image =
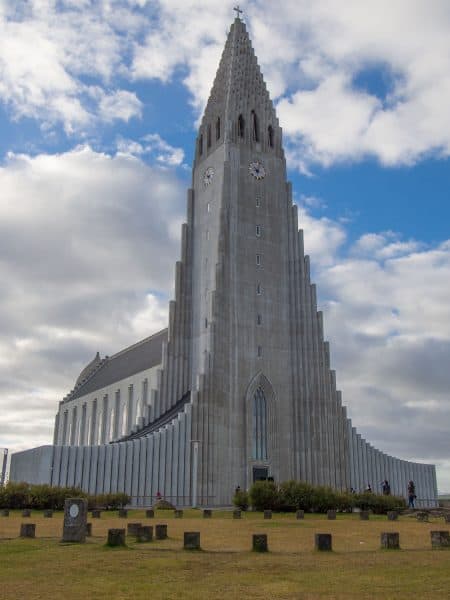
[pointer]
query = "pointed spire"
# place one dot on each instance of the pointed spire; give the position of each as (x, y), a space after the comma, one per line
(239, 108)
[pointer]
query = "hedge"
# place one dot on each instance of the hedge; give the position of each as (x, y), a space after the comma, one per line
(294, 495)
(39, 497)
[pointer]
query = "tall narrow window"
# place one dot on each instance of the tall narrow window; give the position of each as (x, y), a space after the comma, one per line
(258, 259)
(218, 128)
(200, 145)
(241, 126)
(259, 426)
(258, 202)
(258, 231)
(208, 137)
(259, 320)
(258, 289)
(255, 128)
(259, 351)
(270, 134)
(116, 415)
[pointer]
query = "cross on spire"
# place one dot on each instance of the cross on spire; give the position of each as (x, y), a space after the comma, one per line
(239, 12)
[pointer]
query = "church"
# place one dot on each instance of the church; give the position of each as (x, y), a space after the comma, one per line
(239, 386)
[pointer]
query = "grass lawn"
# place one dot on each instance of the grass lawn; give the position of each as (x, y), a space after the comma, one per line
(225, 568)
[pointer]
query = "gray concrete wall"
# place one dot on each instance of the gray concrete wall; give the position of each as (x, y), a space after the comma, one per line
(32, 466)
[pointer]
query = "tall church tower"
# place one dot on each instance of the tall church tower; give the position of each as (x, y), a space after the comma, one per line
(239, 386)
(264, 400)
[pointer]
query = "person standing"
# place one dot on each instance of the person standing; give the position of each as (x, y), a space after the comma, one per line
(411, 494)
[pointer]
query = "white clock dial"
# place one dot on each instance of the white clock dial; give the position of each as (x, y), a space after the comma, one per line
(74, 510)
(257, 170)
(208, 175)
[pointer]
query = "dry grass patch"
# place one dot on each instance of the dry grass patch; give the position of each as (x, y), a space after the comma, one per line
(43, 568)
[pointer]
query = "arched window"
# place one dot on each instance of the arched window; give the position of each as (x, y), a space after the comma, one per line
(270, 132)
(208, 138)
(218, 128)
(241, 126)
(200, 145)
(255, 128)
(259, 425)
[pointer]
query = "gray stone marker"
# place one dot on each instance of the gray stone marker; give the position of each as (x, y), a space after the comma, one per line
(144, 534)
(133, 528)
(150, 513)
(207, 513)
(364, 515)
(260, 542)
(26, 512)
(447, 517)
(88, 529)
(392, 515)
(116, 537)
(27, 530)
(178, 514)
(160, 532)
(5, 512)
(300, 514)
(123, 513)
(96, 514)
(191, 540)
(323, 542)
(236, 514)
(390, 540)
(48, 514)
(267, 514)
(422, 517)
(75, 519)
(440, 539)
(331, 515)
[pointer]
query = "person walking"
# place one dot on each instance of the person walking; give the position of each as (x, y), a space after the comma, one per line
(386, 487)
(411, 494)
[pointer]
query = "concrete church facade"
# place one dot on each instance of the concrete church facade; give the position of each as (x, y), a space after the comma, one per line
(239, 386)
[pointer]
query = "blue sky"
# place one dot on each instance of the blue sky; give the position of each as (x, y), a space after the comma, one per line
(99, 103)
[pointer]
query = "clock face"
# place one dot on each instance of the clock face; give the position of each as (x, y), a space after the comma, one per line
(74, 510)
(257, 170)
(208, 175)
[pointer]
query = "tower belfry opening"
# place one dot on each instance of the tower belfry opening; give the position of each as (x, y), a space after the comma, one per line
(239, 386)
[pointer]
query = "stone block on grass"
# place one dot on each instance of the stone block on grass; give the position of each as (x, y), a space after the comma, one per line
(392, 515)
(88, 529)
(422, 517)
(75, 519)
(191, 540)
(48, 514)
(144, 534)
(123, 513)
(440, 539)
(390, 540)
(150, 513)
(236, 514)
(364, 515)
(27, 530)
(207, 513)
(267, 514)
(178, 514)
(260, 542)
(26, 512)
(96, 514)
(323, 542)
(300, 514)
(331, 515)
(116, 537)
(133, 528)
(447, 517)
(5, 512)
(161, 532)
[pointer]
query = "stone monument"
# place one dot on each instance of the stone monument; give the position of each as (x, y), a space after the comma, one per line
(75, 520)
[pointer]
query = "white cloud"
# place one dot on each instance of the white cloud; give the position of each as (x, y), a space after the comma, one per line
(88, 252)
(120, 105)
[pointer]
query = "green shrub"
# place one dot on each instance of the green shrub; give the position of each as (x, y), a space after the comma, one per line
(264, 495)
(240, 499)
(15, 495)
(295, 495)
(378, 503)
(111, 501)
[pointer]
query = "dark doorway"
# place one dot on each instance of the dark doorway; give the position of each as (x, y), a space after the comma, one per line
(260, 473)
